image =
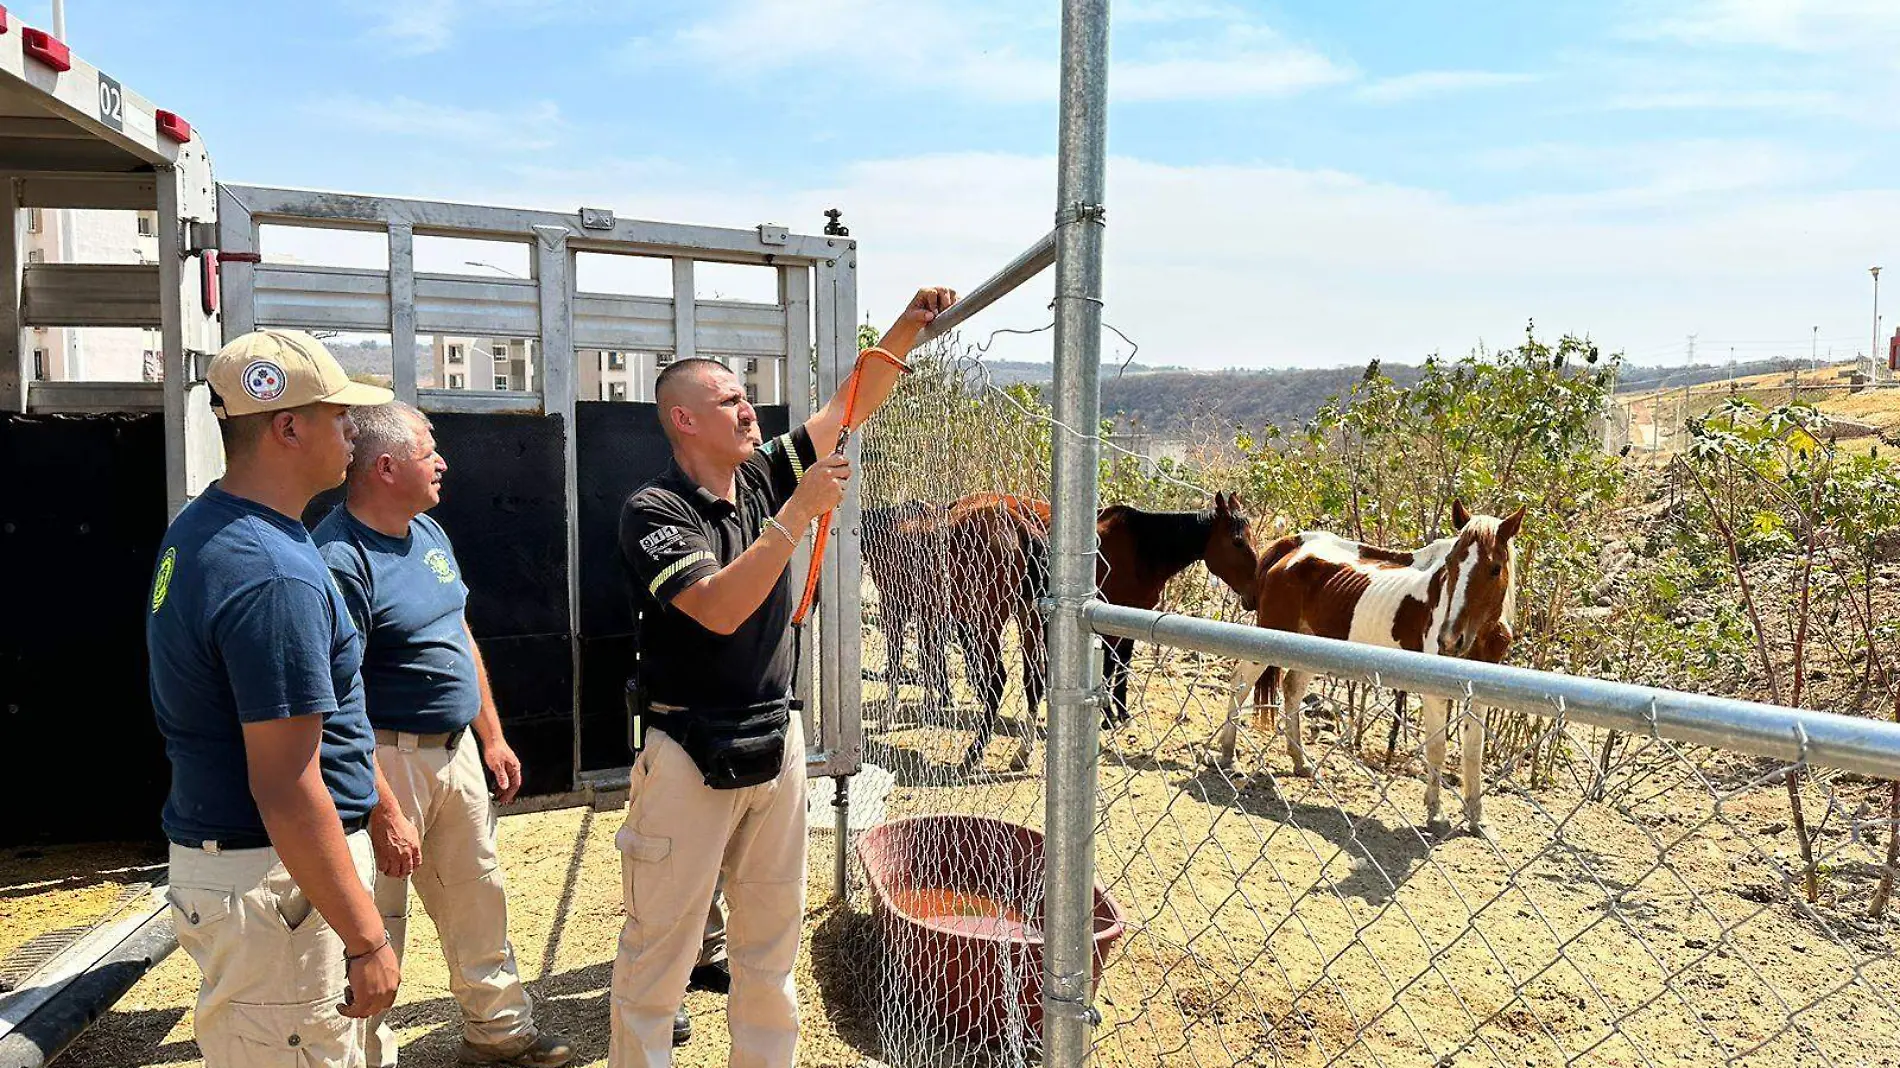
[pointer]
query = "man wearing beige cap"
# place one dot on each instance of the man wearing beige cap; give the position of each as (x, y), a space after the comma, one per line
(428, 698)
(255, 681)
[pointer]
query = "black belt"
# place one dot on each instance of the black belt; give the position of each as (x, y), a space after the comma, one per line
(234, 842)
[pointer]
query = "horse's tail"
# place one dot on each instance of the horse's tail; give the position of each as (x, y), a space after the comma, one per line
(1034, 546)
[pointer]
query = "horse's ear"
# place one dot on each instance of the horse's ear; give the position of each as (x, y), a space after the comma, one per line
(1459, 517)
(1221, 504)
(1511, 525)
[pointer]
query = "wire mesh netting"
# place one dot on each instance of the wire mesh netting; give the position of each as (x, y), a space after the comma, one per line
(948, 888)
(1632, 901)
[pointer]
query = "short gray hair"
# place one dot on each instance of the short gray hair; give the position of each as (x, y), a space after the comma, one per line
(385, 429)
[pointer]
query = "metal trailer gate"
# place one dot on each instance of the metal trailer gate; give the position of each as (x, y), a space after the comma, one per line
(91, 470)
(537, 478)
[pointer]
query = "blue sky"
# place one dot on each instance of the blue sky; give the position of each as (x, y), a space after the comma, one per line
(1291, 184)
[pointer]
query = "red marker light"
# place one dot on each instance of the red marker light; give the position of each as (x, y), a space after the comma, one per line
(173, 127)
(44, 47)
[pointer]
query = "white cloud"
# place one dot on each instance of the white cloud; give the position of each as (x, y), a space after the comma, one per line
(1268, 266)
(1818, 26)
(534, 126)
(1712, 99)
(1185, 50)
(1435, 82)
(415, 27)
(421, 27)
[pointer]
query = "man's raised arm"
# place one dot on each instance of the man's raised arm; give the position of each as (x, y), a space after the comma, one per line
(878, 378)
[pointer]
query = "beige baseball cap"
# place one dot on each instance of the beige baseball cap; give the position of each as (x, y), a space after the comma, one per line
(270, 370)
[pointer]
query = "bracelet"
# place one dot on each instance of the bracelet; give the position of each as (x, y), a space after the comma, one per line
(772, 521)
(348, 959)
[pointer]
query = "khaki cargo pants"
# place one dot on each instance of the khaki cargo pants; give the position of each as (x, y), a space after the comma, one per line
(273, 967)
(459, 880)
(680, 837)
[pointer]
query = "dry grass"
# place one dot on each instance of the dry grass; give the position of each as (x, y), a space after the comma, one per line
(1285, 921)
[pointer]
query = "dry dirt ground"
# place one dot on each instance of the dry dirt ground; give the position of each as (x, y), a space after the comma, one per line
(1275, 920)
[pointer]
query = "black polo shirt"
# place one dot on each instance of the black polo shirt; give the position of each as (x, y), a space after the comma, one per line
(673, 532)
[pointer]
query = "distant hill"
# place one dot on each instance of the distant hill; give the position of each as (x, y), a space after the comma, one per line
(1175, 402)
(1643, 379)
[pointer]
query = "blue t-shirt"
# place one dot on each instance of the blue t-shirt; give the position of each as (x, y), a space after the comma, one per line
(407, 597)
(245, 625)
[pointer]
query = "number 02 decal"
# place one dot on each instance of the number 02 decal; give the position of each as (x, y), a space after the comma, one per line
(111, 103)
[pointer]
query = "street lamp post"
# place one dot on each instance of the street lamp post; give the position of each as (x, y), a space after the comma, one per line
(504, 270)
(1873, 351)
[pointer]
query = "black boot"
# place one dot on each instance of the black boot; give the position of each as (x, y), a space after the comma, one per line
(716, 977)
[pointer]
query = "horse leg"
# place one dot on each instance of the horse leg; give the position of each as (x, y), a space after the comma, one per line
(895, 620)
(1220, 752)
(1120, 652)
(933, 656)
(1471, 752)
(1029, 631)
(983, 653)
(1398, 721)
(1437, 720)
(1292, 704)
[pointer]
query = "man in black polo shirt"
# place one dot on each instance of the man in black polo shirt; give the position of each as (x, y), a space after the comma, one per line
(719, 786)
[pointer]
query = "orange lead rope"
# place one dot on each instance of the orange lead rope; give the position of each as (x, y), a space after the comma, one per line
(844, 438)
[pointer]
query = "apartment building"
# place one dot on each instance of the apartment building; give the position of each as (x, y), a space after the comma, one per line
(62, 354)
(613, 375)
(484, 363)
(605, 374)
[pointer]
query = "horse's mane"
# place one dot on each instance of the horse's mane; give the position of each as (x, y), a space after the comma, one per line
(1170, 540)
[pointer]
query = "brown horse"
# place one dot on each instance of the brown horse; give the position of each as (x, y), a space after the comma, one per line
(1453, 597)
(1141, 551)
(905, 553)
(976, 563)
(997, 546)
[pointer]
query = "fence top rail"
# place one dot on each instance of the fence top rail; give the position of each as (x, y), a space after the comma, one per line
(1030, 263)
(1868, 747)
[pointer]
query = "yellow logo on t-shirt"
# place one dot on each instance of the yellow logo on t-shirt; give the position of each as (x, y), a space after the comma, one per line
(438, 562)
(162, 583)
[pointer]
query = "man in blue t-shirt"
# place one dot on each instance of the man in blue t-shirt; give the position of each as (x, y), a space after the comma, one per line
(254, 663)
(425, 686)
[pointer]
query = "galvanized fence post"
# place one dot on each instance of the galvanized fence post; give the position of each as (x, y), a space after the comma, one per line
(1069, 875)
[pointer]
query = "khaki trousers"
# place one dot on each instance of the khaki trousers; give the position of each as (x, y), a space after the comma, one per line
(273, 967)
(460, 882)
(680, 838)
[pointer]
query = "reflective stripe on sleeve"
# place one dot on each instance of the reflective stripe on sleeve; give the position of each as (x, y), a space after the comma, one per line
(791, 451)
(675, 568)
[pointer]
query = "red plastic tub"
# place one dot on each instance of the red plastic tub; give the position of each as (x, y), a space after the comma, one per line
(958, 905)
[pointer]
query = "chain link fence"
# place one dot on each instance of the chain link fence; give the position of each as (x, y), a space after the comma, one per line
(1632, 900)
(946, 896)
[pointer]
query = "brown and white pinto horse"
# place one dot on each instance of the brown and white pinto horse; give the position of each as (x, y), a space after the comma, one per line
(1454, 597)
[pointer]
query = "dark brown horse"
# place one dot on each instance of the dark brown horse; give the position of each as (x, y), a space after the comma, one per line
(971, 566)
(998, 552)
(905, 555)
(1141, 551)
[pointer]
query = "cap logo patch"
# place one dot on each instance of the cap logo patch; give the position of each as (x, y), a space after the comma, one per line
(264, 380)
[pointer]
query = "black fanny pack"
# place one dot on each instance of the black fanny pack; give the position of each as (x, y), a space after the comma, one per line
(732, 747)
